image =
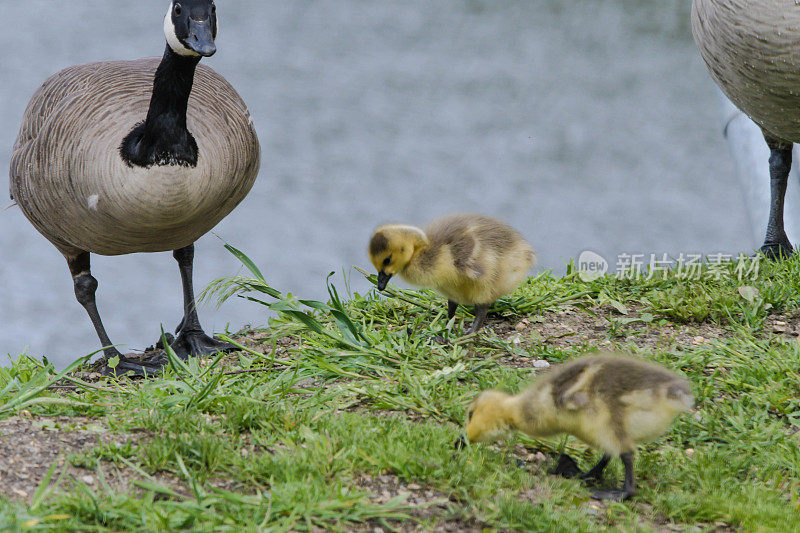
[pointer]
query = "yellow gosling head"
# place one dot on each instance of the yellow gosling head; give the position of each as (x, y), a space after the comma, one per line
(488, 417)
(392, 247)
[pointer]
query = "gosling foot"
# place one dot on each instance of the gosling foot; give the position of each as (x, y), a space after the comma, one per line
(595, 475)
(566, 467)
(195, 343)
(616, 495)
(777, 251)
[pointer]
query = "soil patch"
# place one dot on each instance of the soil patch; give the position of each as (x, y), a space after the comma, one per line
(30, 446)
(601, 327)
(426, 505)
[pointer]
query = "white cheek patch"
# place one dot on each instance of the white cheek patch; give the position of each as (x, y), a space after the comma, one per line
(92, 202)
(172, 39)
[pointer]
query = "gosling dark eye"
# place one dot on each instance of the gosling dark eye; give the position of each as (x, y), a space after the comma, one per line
(177, 10)
(387, 261)
(469, 416)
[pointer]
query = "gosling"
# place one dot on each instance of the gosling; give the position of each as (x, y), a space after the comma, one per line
(470, 259)
(610, 402)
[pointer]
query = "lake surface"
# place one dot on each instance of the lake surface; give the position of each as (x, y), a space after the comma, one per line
(587, 125)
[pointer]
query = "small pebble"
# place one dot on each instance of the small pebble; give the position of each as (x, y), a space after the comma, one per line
(89, 480)
(522, 325)
(541, 363)
(516, 340)
(689, 452)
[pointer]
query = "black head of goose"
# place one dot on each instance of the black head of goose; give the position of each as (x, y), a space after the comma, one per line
(119, 157)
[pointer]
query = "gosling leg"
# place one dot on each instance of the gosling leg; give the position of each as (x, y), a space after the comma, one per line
(192, 340)
(480, 317)
(629, 486)
(451, 309)
(85, 288)
(776, 243)
(596, 473)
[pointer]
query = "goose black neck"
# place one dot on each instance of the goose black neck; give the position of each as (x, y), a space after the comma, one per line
(163, 138)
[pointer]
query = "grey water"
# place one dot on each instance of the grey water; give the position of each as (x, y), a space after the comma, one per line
(586, 124)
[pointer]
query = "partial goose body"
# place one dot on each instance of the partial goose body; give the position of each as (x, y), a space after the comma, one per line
(609, 401)
(470, 259)
(137, 156)
(67, 161)
(752, 51)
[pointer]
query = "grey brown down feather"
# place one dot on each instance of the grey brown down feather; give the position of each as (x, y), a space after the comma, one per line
(69, 179)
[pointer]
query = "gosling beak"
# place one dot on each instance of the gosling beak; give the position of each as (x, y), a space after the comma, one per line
(383, 279)
(461, 443)
(201, 37)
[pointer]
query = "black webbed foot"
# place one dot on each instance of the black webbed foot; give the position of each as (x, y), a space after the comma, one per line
(628, 487)
(198, 344)
(566, 467)
(126, 367)
(616, 495)
(777, 251)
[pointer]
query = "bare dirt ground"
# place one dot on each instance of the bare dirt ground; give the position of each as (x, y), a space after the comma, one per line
(30, 446)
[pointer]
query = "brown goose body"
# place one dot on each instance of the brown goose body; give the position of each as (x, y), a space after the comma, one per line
(752, 50)
(69, 179)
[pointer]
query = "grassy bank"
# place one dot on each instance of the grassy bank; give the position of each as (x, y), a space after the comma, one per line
(343, 415)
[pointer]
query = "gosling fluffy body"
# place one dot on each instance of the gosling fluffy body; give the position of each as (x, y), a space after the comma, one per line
(471, 259)
(608, 401)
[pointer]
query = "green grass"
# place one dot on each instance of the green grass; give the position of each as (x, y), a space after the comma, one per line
(356, 388)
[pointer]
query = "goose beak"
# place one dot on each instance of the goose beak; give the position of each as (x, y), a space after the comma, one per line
(383, 279)
(201, 37)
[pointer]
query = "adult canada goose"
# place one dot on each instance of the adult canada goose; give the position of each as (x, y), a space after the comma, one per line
(471, 259)
(752, 52)
(120, 157)
(608, 401)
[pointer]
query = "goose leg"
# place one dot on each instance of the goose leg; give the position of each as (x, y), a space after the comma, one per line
(628, 488)
(776, 243)
(480, 317)
(85, 288)
(192, 340)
